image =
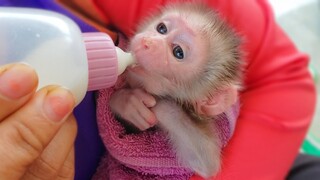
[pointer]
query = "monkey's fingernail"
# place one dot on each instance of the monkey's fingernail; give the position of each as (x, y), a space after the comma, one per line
(151, 103)
(152, 121)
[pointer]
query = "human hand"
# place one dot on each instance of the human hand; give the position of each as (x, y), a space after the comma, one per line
(37, 131)
(134, 105)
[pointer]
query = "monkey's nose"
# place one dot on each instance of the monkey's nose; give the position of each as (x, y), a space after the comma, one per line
(146, 43)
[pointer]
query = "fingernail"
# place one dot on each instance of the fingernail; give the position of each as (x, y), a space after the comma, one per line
(152, 121)
(17, 81)
(58, 103)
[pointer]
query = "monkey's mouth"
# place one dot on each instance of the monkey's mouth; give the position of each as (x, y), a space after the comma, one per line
(137, 69)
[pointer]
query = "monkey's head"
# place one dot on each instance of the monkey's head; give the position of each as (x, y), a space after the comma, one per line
(189, 53)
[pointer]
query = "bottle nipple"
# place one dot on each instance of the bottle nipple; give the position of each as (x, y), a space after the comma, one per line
(124, 60)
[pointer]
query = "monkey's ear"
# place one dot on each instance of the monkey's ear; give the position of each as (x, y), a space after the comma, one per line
(218, 103)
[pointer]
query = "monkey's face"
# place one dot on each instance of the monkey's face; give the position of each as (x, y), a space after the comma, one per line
(170, 52)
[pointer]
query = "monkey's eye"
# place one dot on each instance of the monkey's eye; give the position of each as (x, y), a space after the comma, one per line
(178, 52)
(162, 28)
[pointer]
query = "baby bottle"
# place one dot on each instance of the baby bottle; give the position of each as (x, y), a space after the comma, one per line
(55, 47)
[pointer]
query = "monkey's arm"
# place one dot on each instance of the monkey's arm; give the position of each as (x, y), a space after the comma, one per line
(133, 106)
(194, 146)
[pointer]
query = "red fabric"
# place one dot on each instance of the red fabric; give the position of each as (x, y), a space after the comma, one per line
(278, 101)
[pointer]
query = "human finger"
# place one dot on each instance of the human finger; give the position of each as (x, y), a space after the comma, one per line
(49, 164)
(18, 82)
(26, 133)
(67, 171)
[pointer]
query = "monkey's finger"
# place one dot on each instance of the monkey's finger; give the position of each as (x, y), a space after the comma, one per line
(143, 113)
(145, 97)
(17, 84)
(137, 120)
(148, 116)
(53, 160)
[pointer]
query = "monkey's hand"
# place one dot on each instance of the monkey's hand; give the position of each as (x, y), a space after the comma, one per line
(133, 105)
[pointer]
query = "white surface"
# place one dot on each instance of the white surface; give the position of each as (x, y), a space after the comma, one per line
(284, 6)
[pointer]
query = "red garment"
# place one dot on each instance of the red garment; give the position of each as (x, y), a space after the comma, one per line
(278, 101)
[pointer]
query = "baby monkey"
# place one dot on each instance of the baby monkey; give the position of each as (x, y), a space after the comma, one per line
(189, 59)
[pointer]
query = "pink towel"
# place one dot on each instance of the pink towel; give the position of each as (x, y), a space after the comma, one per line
(145, 155)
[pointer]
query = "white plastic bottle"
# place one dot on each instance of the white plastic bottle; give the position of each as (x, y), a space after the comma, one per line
(55, 47)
